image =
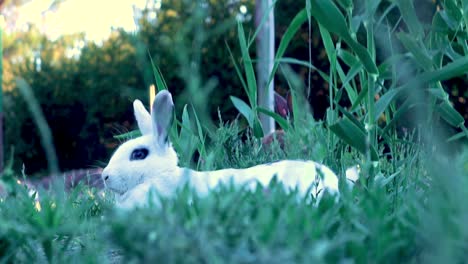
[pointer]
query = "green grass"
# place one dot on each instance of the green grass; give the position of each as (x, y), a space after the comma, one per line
(408, 207)
(417, 216)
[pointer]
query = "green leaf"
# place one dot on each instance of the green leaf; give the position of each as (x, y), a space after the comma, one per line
(448, 21)
(382, 181)
(359, 98)
(238, 71)
(257, 128)
(371, 8)
(454, 69)
(201, 137)
(438, 93)
(405, 107)
(346, 4)
(384, 101)
(363, 55)
(347, 57)
(456, 137)
(438, 24)
(354, 136)
(305, 64)
(292, 29)
(330, 17)
(262, 22)
(128, 135)
(244, 109)
(449, 114)
(353, 72)
(408, 12)
(248, 67)
(199, 126)
(160, 83)
(328, 44)
(296, 85)
(351, 118)
(279, 119)
(187, 140)
(419, 51)
(387, 68)
(453, 11)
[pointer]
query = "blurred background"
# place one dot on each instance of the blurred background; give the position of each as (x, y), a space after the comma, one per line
(87, 60)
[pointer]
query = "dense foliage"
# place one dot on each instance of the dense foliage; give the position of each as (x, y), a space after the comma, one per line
(86, 98)
(414, 215)
(387, 70)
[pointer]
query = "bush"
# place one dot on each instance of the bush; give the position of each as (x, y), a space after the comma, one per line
(82, 99)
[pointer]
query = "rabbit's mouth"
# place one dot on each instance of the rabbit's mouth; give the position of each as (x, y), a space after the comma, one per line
(115, 190)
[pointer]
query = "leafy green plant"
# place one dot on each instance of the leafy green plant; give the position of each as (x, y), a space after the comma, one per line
(250, 111)
(356, 73)
(411, 210)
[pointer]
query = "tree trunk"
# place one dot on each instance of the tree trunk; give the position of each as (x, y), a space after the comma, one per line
(265, 56)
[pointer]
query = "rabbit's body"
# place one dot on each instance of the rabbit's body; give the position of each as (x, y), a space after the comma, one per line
(149, 163)
(291, 173)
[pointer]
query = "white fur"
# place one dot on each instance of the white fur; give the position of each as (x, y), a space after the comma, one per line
(133, 180)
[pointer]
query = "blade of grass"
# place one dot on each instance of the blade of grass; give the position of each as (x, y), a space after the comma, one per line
(408, 12)
(160, 83)
(449, 114)
(244, 109)
(237, 68)
(453, 69)
(329, 16)
(305, 64)
(292, 29)
(279, 119)
(41, 123)
(248, 67)
(262, 21)
(419, 51)
(354, 136)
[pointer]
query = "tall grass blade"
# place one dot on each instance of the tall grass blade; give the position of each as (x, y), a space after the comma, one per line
(248, 67)
(279, 119)
(449, 114)
(330, 17)
(408, 12)
(262, 21)
(322, 74)
(354, 136)
(160, 83)
(453, 69)
(237, 68)
(41, 123)
(292, 29)
(244, 109)
(419, 52)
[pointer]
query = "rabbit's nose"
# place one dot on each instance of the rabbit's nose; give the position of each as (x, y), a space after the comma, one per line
(105, 175)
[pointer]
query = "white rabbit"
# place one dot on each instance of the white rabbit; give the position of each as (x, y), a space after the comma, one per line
(150, 163)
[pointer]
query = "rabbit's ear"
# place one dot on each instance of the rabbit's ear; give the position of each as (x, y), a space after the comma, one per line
(281, 105)
(142, 117)
(163, 117)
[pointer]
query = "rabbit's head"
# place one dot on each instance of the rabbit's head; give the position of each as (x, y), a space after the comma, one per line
(149, 157)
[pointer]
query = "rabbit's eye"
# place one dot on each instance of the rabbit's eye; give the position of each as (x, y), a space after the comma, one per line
(139, 154)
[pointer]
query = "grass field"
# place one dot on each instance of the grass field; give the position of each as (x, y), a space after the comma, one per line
(414, 215)
(409, 206)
